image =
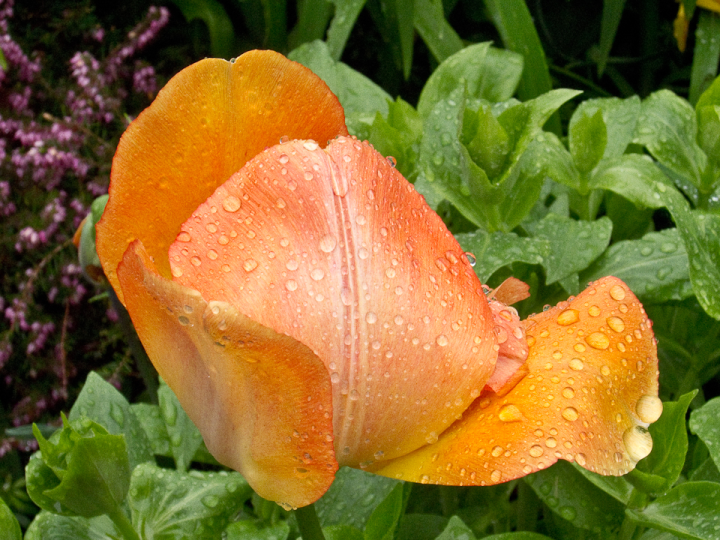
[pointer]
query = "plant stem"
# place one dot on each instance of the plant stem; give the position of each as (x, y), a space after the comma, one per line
(123, 524)
(308, 522)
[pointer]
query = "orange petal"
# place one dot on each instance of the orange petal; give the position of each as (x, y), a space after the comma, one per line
(261, 400)
(510, 291)
(336, 249)
(590, 394)
(204, 125)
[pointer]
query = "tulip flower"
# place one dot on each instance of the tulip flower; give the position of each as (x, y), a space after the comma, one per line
(310, 310)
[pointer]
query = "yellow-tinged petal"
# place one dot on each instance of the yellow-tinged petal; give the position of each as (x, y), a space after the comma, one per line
(202, 127)
(336, 249)
(261, 400)
(589, 396)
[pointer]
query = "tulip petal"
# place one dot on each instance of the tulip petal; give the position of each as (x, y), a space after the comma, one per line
(336, 249)
(261, 400)
(589, 396)
(202, 127)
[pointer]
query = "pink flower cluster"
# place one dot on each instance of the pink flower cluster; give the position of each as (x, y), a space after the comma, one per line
(43, 159)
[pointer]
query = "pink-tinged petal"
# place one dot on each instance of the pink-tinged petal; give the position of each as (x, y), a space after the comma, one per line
(203, 126)
(589, 396)
(336, 249)
(261, 400)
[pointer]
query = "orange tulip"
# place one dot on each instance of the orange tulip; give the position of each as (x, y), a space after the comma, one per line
(310, 310)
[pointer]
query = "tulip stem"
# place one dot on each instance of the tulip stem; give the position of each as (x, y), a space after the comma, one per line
(308, 523)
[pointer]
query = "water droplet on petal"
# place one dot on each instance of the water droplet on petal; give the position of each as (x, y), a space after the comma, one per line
(470, 258)
(291, 285)
(576, 364)
(196, 261)
(231, 204)
(442, 340)
(310, 145)
(392, 161)
(617, 292)
(616, 324)
(184, 237)
(370, 317)
(568, 393)
(509, 413)
(496, 475)
(317, 274)
(638, 442)
(570, 414)
(598, 340)
(536, 451)
(649, 408)
(249, 265)
(568, 317)
(594, 311)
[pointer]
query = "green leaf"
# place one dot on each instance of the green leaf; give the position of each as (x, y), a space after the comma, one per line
(456, 530)
(360, 97)
(102, 403)
(670, 444)
(485, 72)
(573, 244)
(346, 13)
(430, 23)
(398, 136)
(185, 438)
(515, 26)
(167, 504)
(612, 12)
(667, 128)
(655, 267)
(48, 525)
(154, 427)
(353, 497)
(251, 530)
(492, 251)
(705, 54)
(87, 253)
(342, 532)
(616, 486)
(705, 423)
(490, 145)
(213, 14)
(421, 526)
(700, 233)
(312, 21)
(520, 535)
(399, 19)
(588, 139)
(575, 499)
(632, 176)
(706, 472)
(620, 116)
(81, 470)
(385, 517)
(275, 18)
(547, 157)
(9, 526)
(689, 510)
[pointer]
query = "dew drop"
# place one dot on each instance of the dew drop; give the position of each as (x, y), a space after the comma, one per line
(283, 159)
(594, 311)
(363, 253)
(184, 237)
(370, 317)
(568, 317)
(249, 265)
(509, 413)
(617, 292)
(536, 451)
(570, 414)
(470, 258)
(616, 324)
(196, 261)
(291, 285)
(231, 204)
(392, 161)
(317, 274)
(442, 340)
(497, 451)
(310, 145)
(568, 393)
(576, 364)
(551, 442)
(292, 265)
(212, 254)
(649, 408)
(638, 442)
(598, 340)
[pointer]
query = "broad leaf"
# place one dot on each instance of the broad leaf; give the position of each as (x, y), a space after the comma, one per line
(185, 438)
(705, 423)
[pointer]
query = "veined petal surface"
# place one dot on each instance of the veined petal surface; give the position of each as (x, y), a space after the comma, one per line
(202, 127)
(590, 394)
(261, 400)
(336, 249)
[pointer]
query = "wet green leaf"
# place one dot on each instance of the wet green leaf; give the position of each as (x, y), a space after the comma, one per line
(573, 244)
(620, 118)
(346, 13)
(588, 139)
(633, 176)
(185, 439)
(102, 403)
(435, 31)
(456, 530)
(9, 526)
(220, 28)
(616, 486)
(47, 525)
(167, 504)
(353, 497)
(495, 250)
(568, 494)
(689, 510)
(655, 267)
(251, 530)
(705, 423)
(384, 520)
(670, 445)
